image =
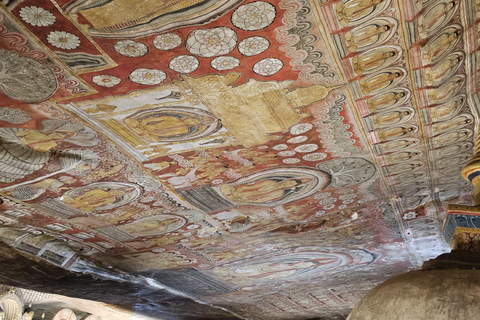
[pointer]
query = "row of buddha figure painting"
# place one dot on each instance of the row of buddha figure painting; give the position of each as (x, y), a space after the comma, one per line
(351, 13)
(376, 67)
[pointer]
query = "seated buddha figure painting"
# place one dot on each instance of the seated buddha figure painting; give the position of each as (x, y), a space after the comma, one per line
(179, 124)
(275, 186)
(101, 196)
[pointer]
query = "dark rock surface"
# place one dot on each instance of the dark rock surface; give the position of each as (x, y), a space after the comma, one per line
(16, 269)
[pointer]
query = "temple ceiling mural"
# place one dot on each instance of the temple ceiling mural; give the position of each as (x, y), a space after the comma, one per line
(256, 159)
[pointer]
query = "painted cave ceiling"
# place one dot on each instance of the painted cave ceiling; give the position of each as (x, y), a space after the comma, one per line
(265, 159)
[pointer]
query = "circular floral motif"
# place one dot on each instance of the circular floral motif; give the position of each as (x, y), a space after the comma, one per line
(280, 147)
(184, 64)
(130, 48)
(320, 213)
(301, 128)
(254, 16)
(14, 116)
(286, 153)
(409, 215)
(291, 160)
(167, 41)
(298, 139)
(347, 196)
(268, 66)
(253, 46)
(327, 201)
(322, 195)
(106, 80)
(316, 156)
(63, 40)
(224, 63)
(147, 76)
(37, 17)
(211, 42)
(306, 148)
(363, 200)
(345, 191)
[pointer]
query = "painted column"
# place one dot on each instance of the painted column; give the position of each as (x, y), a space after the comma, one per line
(471, 172)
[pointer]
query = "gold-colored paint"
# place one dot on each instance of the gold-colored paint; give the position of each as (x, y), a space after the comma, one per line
(354, 10)
(67, 70)
(84, 30)
(254, 110)
(378, 81)
(458, 241)
(371, 60)
(132, 158)
(92, 199)
(437, 74)
(389, 118)
(365, 36)
(250, 112)
(106, 107)
(409, 61)
(473, 166)
(157, 127)
(436, 48)
(122, 12)
(71, 222)
(373, 104)
(325, 33)
(262, 191)
(122, 132)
